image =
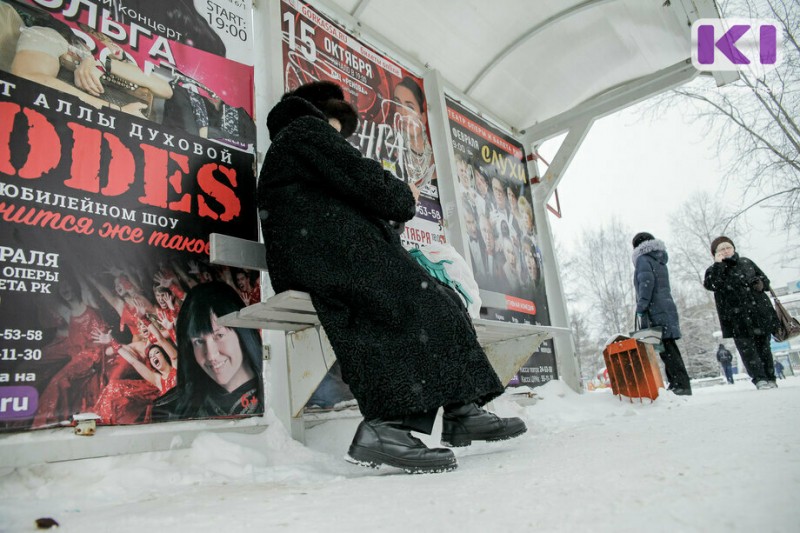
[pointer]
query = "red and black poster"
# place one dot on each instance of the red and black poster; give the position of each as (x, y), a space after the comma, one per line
(392, 129)
(393, 118)
(497, 212)
(126, 137)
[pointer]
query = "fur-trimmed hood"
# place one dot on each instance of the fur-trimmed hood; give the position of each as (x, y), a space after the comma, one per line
(653, 293)
(289, 109)
(655, 247)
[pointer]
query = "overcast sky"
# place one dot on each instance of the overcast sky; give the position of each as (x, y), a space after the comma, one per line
(651, 166)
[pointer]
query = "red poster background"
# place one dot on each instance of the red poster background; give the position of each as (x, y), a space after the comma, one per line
(104, 222)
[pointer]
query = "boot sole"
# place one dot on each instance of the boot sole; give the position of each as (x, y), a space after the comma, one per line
(459, 441)
(371, 459)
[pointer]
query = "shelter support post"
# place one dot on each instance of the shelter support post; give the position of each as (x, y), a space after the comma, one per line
(441, 140)
(268, 88)
(566, 357)
(611, 100)
(555, 172)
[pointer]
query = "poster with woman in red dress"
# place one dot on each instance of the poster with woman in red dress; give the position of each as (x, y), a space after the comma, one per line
(124, 142)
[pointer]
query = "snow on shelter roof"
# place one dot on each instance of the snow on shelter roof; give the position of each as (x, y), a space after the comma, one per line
(528, 61)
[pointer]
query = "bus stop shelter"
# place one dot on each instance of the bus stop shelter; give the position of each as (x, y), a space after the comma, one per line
(536, 70)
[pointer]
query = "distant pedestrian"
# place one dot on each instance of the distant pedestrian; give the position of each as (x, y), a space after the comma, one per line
(655, 307)
(725, 359)
(744, 309)
(779, 369)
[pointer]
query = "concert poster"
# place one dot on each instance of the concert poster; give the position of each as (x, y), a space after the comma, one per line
(391, 104)
(125, 142)
(502, 236)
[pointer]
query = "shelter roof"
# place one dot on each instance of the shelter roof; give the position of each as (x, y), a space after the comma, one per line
(526, 62)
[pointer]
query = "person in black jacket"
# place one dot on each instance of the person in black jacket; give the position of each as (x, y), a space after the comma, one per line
(779, 369)
(744, 309)
(655, 307)
(725, 359)
(405, 342)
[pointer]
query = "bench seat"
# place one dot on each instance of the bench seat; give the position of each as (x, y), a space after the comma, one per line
(309, 355)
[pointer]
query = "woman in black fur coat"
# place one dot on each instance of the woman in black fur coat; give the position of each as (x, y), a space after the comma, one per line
(405, 342)
(744, 309)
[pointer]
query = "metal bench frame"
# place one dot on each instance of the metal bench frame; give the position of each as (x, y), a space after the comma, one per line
(309, 355)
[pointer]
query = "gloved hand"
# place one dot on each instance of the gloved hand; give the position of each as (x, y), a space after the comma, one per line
(757, 285)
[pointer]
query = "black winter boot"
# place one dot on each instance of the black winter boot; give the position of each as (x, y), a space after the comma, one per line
(467, 423)
(387, 442)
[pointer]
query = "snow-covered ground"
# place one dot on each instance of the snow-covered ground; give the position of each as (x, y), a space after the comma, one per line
(725, 459)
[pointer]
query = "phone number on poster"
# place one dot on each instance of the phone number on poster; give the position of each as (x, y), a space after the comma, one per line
(18, 334)
(433, 214)
(28, 354)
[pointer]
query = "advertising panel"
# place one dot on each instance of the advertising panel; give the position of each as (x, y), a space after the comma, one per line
(126, 137)
(393, 125)
(497, 212)
(393, 118)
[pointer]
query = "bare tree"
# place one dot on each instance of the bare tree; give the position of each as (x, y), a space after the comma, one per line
(568, 270)
(698, 221)
(586, 346)
(605, 277)
(698, 320)
(590, 358)
(756, 118)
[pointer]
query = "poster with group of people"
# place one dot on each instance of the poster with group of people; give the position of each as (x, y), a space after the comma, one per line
(126, 137)
(497, 212)
(393, 118)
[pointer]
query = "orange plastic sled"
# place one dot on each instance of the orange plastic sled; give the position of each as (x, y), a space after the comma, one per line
(633, 369)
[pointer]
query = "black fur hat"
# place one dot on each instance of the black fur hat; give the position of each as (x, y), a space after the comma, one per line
(289, 109)
(641, 237)
(329, 98)
(318, 91)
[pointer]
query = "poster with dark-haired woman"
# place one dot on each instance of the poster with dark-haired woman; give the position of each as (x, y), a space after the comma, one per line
(126, 138)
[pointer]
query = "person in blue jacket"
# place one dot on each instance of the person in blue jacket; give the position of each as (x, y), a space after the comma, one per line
(779, 370)
(655, 307)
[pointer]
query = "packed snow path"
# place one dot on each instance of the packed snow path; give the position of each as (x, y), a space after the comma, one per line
(725, 459)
